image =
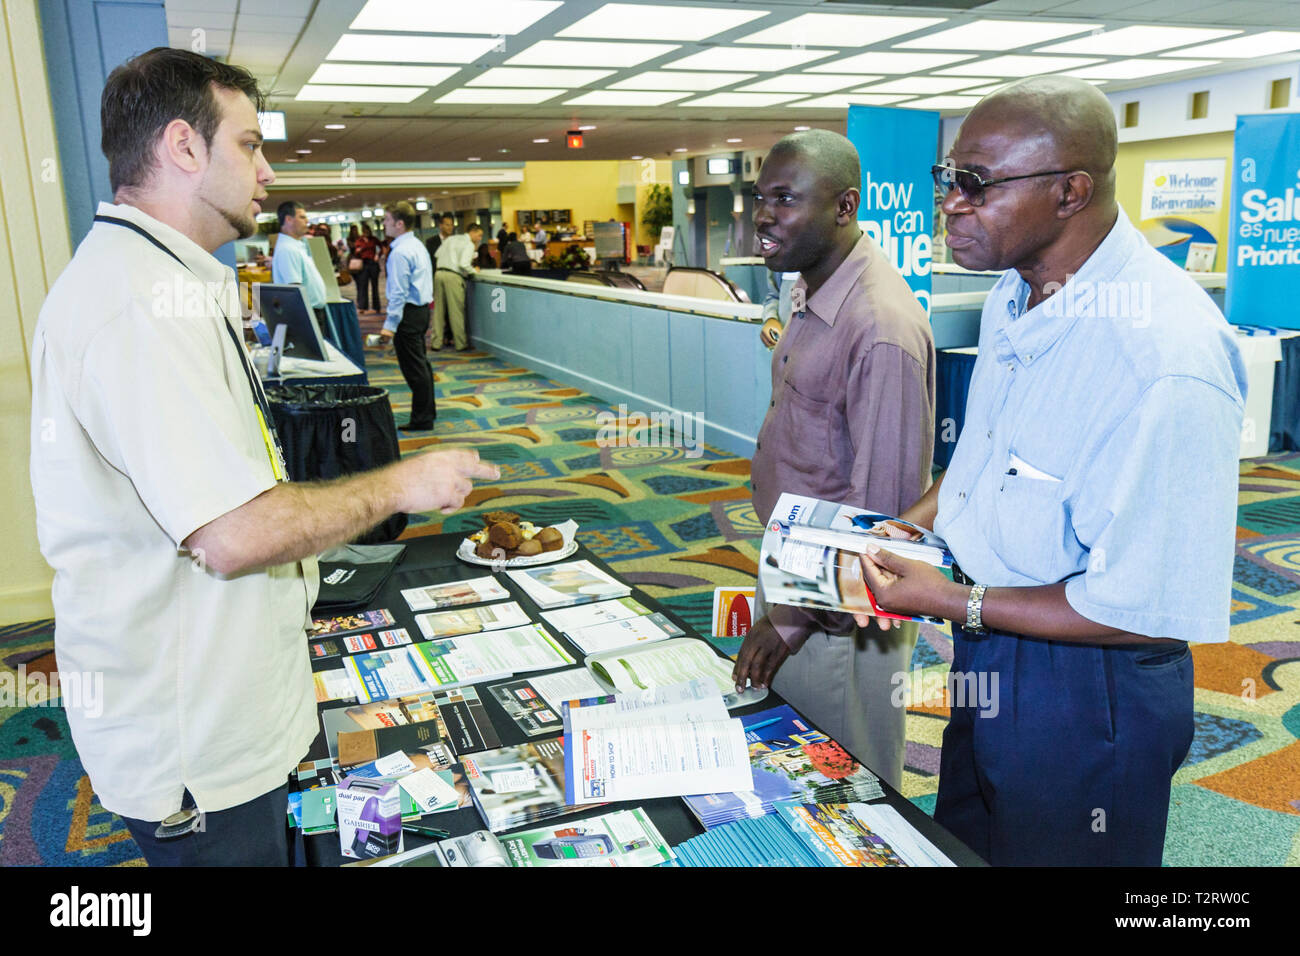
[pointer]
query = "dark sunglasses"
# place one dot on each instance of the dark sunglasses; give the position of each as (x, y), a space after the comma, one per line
(972, 185)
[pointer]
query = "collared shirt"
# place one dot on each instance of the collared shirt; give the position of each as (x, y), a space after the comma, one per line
(456, 254)
(851, 418)
(144, 429)
(1100, 445)
(410, 277)
(292, 264)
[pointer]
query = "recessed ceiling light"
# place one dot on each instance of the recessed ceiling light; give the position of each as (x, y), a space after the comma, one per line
(917, 85)
(807, 83)
(677, 80)
(302, 152)
(401, 48)
(1267, 43)
(483, 94)
(680, 149)
(735, 140)
(315, 140)
(374, 74)
(994, 35)
(889, 63)
(473, 159)
(638, 157)
(801, 129)
(292, 159)
(1135, 41)
(839, 101)
(588, 52)
(747, 58)
(649, 22)
(493, 17)
(542, 140)
(1020, 65)
(838, 29)
(336, 126)
(533, 76)
(1137, 69)
(360, 94)
(503, 150)
(742, 99)
(942, 103)
(625, 98)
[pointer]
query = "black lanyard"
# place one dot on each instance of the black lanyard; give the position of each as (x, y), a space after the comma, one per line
(267, 422)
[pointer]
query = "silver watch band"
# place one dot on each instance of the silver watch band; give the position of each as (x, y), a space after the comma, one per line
(974, 606)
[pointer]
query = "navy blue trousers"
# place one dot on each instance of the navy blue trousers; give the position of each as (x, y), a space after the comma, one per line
(252, 834)
(1070, 762)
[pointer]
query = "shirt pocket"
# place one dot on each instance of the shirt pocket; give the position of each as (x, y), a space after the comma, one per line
(1028, 528)
(804, 432)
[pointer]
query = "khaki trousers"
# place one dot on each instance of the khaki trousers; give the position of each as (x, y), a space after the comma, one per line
(449, 306)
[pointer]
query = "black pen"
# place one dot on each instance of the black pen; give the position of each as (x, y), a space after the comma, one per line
(425, 831)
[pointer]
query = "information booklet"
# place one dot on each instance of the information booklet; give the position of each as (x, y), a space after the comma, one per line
(810, 554)
(455, 594)
(668, 741)
(342, 623)
(567, 583)
(856, 834)
(614, 635)
(791, 760)
(534, 703)
(733, 611)
(589, 615)
(472, 620)
(519, 785)
(621, 838)
(669, 662)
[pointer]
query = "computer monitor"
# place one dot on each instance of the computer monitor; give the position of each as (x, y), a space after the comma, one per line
(286, 305)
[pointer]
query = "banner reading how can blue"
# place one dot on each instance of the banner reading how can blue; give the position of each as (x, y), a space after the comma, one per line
(1264, 229)
(897, 148)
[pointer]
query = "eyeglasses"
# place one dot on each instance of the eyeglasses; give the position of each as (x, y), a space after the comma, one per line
(972, 185)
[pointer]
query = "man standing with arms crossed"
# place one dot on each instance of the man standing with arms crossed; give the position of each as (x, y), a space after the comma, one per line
(851, 421)
(184, 560)
(409, 290)
(1094, 548)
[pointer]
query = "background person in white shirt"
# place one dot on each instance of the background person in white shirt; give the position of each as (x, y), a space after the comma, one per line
(184, 564)
(291, 263)
(455, 262)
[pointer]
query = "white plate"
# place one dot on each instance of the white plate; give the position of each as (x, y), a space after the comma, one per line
(466, 553)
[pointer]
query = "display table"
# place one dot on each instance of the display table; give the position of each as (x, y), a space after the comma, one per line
(432, 560)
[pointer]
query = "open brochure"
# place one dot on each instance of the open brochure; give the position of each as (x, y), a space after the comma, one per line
(669, 662)
(810, 556)
(859, 834)
(567, 583)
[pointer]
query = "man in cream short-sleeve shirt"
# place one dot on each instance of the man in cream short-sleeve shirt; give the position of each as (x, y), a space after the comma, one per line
(184, 565)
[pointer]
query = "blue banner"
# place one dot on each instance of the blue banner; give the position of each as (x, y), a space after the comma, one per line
(1264, 226)
(897, 148)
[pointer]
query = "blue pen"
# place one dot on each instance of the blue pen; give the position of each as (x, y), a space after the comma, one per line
(763, 723)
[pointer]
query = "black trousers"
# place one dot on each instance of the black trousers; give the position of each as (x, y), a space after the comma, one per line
(412, 359)
(367, 280)
(252, 834)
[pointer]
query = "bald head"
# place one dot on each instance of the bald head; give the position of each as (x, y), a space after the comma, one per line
(1072, 121)
(830, 155)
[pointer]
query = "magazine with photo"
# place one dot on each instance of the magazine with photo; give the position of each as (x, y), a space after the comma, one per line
(455, 593)
(471, 620)
(568, 583)
(343, 623)
(517, 785)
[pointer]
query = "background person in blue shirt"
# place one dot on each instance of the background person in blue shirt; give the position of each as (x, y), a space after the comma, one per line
(292, 263)
(1093, 491)
(409, 291)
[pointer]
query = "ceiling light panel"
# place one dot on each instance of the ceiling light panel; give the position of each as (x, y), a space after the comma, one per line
(326, 93)
(1020, 65)
(1138, 68)
(491, 17)
(890, 63)
(742, 99)
(917, 85)
(808, 83)
(588, 53)
(518, 76)
(1260, 44)
(625, 98)
(478, 94)
(943, 103)
(401, 48)
(677, 80)
(650, 22)
(838, 29)
(994, 35)
(1135, 41)
(747, 58)
(839, 101)
(374, 74)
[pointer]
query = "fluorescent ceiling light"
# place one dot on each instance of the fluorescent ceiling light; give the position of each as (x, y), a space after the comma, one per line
(1020, 65)
(302, 152)
(485, 95)
(838, 29)
(638, 157)
(807, 83)
(541, 140)
(527, 76)
(839, 101)
(1134, 41)
(735, 140)
(670, 80)
(994, 35)
(382, 75)
(336, 126)
(916, 85)
(747, 58)
(625, 98)
(1137, 68)
(359, 94)
(493, 17)
(1258, 44)
(649, 22)
(585, 128)
(588, 53)
(943, 103)
(742, 99)
(889, 63)
(315, 140)
(402, 48)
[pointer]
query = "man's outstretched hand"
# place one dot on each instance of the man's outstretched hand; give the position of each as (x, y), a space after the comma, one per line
(440, 480)
(761, 655)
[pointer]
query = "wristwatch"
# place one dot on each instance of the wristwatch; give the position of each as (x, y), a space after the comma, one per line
(974, 622)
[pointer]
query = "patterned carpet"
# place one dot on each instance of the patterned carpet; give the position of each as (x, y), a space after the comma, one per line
(677, 526)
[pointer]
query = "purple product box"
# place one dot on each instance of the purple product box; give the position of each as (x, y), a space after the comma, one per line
(369, 817)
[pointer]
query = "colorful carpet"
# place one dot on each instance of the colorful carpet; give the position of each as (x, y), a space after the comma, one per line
(677, 522)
